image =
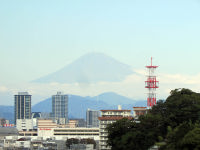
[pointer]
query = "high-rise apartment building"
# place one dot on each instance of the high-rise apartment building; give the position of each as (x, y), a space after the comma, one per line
(108, 117)
(92, 118)
(60, 108)
(22, 106)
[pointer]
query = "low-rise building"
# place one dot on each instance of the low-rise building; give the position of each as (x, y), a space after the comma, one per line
(23, 143)
(81, 122)
(72, 124)
(92, 133)
(30, 143)
(45, 127)
(9, 142)
(48, 129)
(82, 147)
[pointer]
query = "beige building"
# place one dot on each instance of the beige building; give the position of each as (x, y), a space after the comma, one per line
(138, 111)
(72, 124)
(45, 127)
(108, 117)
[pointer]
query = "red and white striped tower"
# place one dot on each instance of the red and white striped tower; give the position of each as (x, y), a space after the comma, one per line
(151, 84)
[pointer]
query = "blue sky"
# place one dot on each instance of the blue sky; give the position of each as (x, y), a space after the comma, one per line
(39, 37)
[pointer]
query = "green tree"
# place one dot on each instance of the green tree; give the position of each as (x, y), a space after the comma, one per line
(186, 136)
(172, 122)
(192, 139)
(182, 105)
(88, 141)
(72, 141)
(117, 130)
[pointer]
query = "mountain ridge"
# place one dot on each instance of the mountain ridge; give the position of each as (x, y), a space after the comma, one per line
(89, 68)
(77, 105)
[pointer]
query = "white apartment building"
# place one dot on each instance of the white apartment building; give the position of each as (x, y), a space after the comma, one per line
(108, 117)
(24, 124)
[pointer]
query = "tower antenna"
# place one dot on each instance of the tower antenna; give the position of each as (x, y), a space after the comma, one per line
(151, 84)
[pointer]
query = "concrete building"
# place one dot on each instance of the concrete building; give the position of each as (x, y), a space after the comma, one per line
(82, 147)
(22, 106)
(46, 115)
(92, 118)
(23, 143)
(63, 133)
(138, 111)
(29, 143)
(45, 127)
(9, 142)
(72, 124)
(108, 117)
(60, 108)
(24, 124)
(92, 133)
(49, 129)
(81, 122)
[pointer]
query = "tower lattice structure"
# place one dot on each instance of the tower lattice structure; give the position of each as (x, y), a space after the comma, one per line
(151, 84)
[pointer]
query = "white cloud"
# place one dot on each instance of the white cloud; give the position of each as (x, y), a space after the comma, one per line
(178, 78)
(3, 89)
(132, 86)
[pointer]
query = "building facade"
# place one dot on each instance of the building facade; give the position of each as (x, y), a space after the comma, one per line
(24, 124)
(22, 106)
(49, 129)
(108, 117)
(60, 108)
(92, 118)
(138, 111)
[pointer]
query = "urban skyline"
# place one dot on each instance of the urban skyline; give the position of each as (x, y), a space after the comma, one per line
(97, 53)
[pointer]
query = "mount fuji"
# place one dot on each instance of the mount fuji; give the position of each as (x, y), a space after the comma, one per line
(90, 68)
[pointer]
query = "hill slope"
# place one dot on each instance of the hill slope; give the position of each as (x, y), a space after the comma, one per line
(112, 98)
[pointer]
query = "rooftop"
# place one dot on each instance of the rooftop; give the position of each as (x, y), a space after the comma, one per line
(115, 110)
(139, 107)
(114, 118)
(23, 93)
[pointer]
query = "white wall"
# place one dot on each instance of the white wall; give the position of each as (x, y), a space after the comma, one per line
(24, 124)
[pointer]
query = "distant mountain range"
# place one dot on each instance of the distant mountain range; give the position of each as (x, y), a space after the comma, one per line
(7, 112)
(90, 68)
(78, 105)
